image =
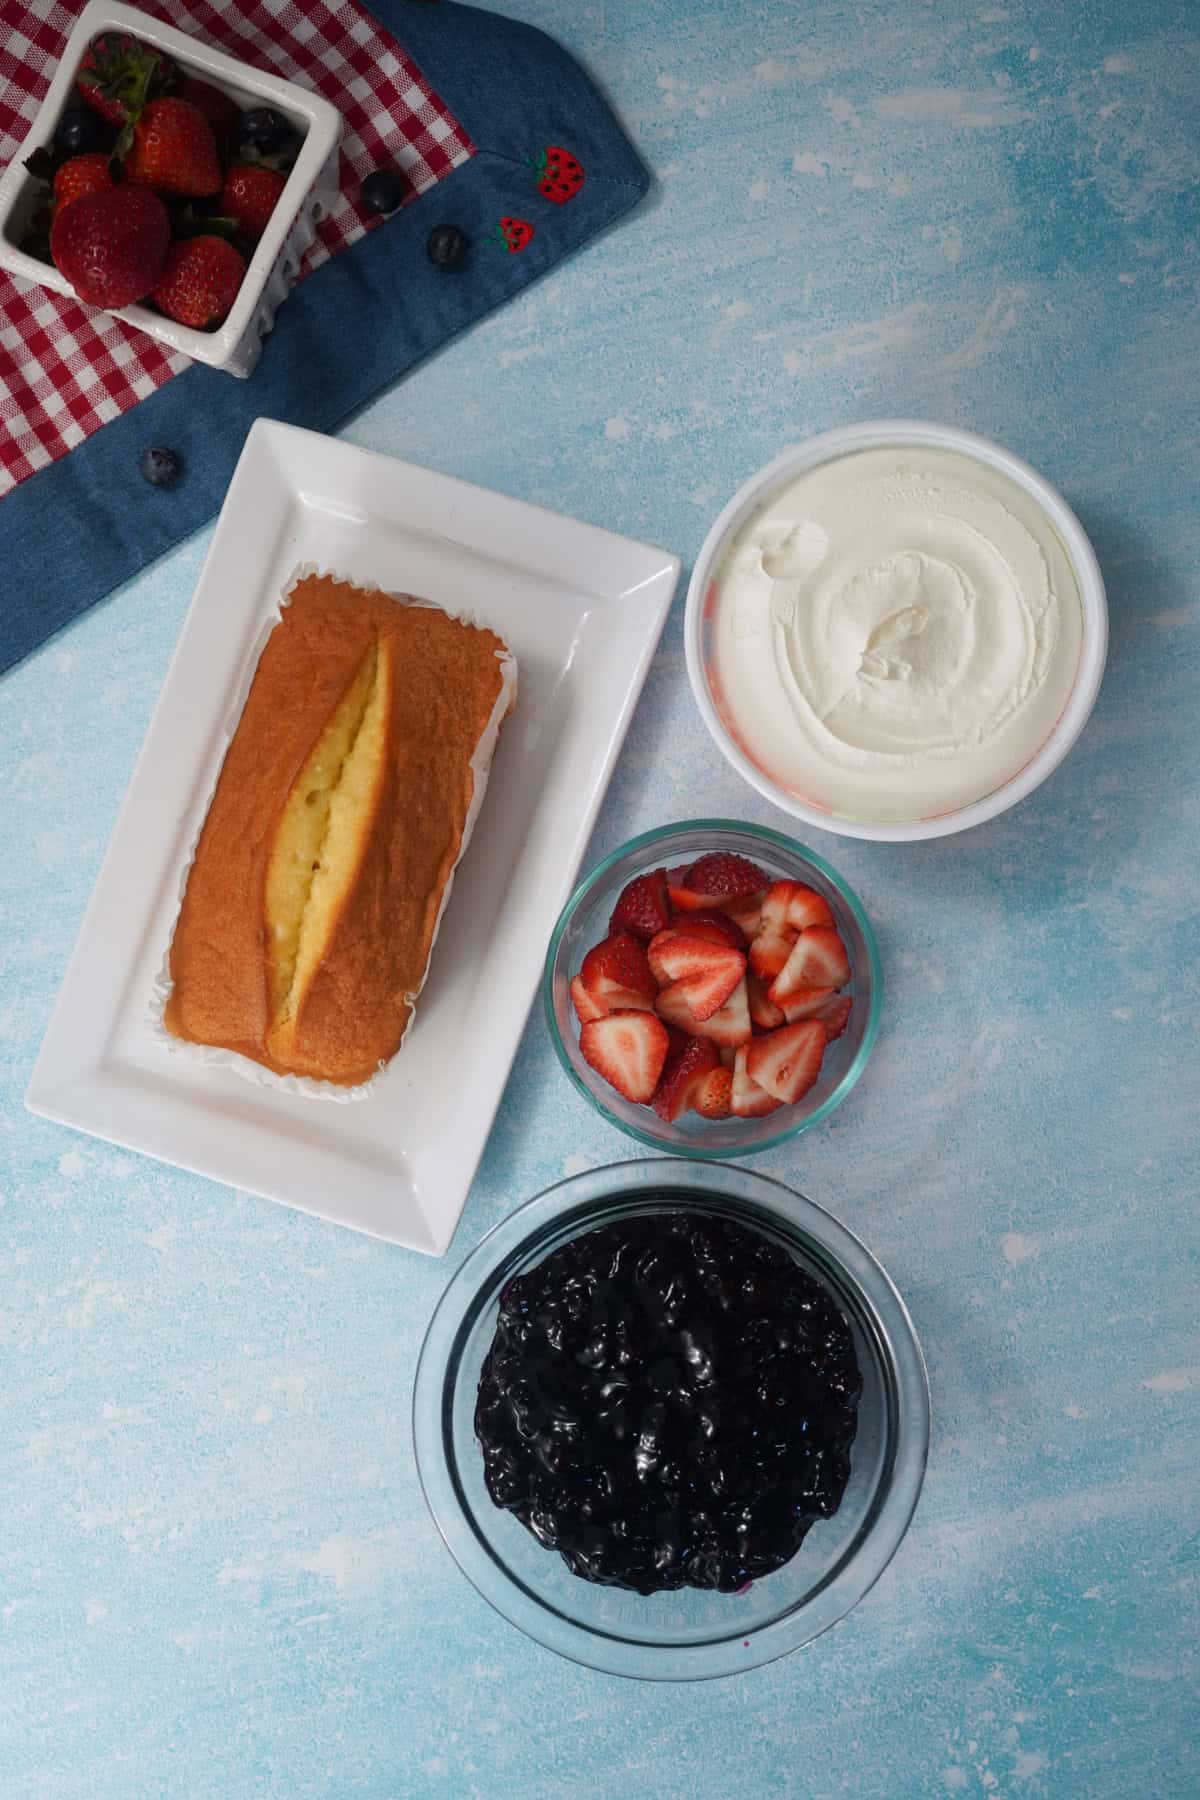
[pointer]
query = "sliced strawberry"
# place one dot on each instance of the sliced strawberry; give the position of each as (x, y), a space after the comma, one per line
(658, 943)
(618, 965)
(682, 1076)
(747, 1099)
(718, 927)
(805, 1003)
(628, 1049)
(674, 1010)
(790, 903)
(627, 1000)
(705, 973)
(731, 1025)
(747, 916)
(787, 1062)
(587, 1007)
(770, 951)
(713, 1097)
(835, 1015)
(764, 1014)
(807, 908)
(643, 907)
(728, 1054)
(775, 906)
(723, 876)
(724, 934)
(818, 960)
(683, 900)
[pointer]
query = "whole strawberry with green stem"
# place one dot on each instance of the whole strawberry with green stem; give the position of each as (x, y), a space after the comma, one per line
(118, 75)
(560, 175)
(169, 146)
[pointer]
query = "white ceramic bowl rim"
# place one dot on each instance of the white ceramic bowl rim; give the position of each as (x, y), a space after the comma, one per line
(874, 434)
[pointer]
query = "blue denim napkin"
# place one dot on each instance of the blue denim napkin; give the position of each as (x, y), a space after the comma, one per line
(76, 530)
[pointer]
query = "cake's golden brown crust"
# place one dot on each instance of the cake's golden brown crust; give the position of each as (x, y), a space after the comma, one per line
(445, 681)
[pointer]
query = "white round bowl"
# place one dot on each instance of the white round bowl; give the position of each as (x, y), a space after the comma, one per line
(872, 435)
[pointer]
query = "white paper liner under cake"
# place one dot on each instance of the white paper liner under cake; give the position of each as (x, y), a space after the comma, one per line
(480, 765)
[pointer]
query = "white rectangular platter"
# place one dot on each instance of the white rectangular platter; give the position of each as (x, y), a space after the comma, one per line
(582, 610)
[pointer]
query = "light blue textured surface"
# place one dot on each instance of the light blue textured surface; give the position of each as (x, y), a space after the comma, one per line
(216, 1574)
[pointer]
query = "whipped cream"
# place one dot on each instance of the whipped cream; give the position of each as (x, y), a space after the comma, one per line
(895, 633)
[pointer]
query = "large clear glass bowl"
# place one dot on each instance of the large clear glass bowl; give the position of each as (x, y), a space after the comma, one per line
(691, 1634)
(584, 922)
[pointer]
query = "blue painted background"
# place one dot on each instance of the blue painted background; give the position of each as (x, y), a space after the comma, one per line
(216, 1574)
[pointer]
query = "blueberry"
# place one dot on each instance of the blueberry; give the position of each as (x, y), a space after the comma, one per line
(79, 131)
(446, 246)
(263, 129)
(162, 468)
(383, 190)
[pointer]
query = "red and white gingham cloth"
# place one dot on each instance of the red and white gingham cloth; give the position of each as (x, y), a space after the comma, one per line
(65, 369)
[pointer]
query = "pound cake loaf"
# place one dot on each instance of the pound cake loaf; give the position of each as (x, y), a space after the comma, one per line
(345, 800)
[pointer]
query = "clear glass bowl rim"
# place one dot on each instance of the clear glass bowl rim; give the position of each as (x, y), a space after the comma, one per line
(473, 1287)
(852, 903)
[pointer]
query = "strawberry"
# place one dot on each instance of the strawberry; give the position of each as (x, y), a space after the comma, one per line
(707, 931)
(806, 1003)
(717, 927)
(514, 234)
(617, 966)
(220, 111)
(787, 1062)
(642, 906)
(728, 1054)
(704, 974)
(791, 904)
(560, 175)
(818, 960)
(656, 944)
(118, 74)
(587, 1007)
(769, 953)
(806, 907)
(681, 1077)
(764, 1014)
(731, 1025)
(835, 1015)
(111, 246)
(683, 900)
(713, 1097)
(747, 916)
(200, 281)
(249, 196)
(628, 1049)
(724, 876)
(81, 175)
(747, 1100)
(170, 147)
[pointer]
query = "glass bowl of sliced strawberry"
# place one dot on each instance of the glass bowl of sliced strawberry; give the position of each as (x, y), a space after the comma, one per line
(713, 988)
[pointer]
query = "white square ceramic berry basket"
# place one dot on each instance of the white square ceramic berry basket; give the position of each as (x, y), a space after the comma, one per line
(311, 187)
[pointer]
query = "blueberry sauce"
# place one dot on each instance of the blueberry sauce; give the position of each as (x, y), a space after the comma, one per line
(669, 1401)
